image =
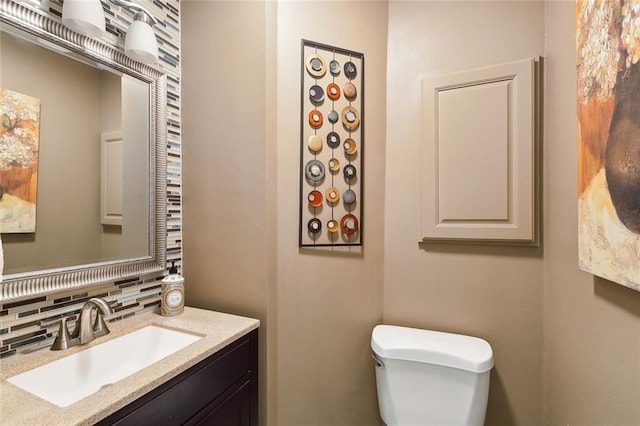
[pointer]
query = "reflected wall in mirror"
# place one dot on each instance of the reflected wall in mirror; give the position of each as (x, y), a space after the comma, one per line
(84, 103)
(101, 206)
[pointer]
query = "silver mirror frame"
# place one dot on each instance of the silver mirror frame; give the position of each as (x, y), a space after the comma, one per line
(37, 283)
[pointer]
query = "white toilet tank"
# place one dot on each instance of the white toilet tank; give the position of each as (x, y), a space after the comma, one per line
(429, 377)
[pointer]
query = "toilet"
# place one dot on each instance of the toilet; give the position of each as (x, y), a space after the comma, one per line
(429, 377)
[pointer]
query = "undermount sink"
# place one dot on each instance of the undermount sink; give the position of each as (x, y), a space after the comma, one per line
(68, 380)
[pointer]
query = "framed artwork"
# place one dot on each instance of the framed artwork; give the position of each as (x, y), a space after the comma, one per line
(19, 141)
(608, 105)
(331, 146)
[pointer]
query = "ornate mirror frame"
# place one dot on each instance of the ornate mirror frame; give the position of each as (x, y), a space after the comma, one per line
(34, 283)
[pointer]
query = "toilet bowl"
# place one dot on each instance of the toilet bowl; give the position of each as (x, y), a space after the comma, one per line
(429, 377)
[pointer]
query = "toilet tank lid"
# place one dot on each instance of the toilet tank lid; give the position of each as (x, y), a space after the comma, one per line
(433, 347)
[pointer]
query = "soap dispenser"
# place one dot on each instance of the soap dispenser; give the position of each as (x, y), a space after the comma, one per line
(172, 293)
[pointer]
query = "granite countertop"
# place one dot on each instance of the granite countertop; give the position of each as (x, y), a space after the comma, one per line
(19, 407)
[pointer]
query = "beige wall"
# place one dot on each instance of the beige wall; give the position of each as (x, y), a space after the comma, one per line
(328, 302)
(591, 326)
(224, 162)
(241, 184)
(487, 291)
(566, 344)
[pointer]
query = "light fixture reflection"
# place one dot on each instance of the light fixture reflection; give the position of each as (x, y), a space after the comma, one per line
(84, 16)
(87, 17)
(140, 43)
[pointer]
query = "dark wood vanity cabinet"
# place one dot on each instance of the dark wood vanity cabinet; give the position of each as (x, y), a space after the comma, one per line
(221, 390)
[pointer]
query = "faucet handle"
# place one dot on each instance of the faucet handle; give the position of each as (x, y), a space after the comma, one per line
(100, 328)
(63, 339)
(103, 308)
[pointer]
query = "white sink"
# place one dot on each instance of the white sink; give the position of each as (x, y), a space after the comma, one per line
(68, 380)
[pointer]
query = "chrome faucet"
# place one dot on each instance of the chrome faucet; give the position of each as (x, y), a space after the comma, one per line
(87, 328)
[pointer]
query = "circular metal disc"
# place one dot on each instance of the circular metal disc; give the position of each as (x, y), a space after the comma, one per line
(349, 224)
(349, 196)
(334, 67)
(334, 165)
(333, 140)
(315, 118)
(333, 91)
(350, 91)
(316, 94)
(314, 225)
(332, 194)
(316, 65)
(349, 172)
(350, 70)
(314, 170)
(315, 143)
(350, 146)
(315, 198)
(350, 118)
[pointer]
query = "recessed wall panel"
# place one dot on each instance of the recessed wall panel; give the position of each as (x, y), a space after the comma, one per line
(479, 155)
(472, 161)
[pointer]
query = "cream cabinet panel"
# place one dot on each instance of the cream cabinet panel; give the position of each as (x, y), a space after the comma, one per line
(479, 155)
(111, 179)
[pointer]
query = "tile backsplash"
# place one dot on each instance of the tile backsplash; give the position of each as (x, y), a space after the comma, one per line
(30, 324)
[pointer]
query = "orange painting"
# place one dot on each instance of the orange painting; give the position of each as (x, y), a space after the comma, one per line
(608, 98)
(19, 141)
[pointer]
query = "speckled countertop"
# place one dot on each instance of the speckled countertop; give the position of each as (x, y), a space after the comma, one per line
(19, 407)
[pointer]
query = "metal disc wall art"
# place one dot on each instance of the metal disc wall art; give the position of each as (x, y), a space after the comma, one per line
(331, 146)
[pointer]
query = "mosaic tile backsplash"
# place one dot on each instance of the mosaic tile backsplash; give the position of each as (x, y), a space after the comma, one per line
(30, 324)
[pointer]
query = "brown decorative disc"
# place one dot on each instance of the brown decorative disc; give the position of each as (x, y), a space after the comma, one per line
(350, 118)
(350, 91)
(349, 224)
(315, 118)
(315, 198)
(333, 91)
(350, 146)
(333, 194)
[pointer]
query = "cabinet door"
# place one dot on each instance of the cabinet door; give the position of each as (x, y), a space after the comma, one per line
(232, 411)
(479, 166)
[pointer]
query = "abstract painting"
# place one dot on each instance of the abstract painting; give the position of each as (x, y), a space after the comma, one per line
(608, 102)
(19, 142)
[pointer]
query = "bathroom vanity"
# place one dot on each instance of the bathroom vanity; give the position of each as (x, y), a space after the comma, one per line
(220, 390)
(212, 381)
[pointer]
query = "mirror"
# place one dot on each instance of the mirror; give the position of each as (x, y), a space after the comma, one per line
(94, 191)
(89, 142)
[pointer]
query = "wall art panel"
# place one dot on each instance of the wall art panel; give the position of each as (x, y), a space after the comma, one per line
(331, 146)
(19, 143)
(608, 91)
